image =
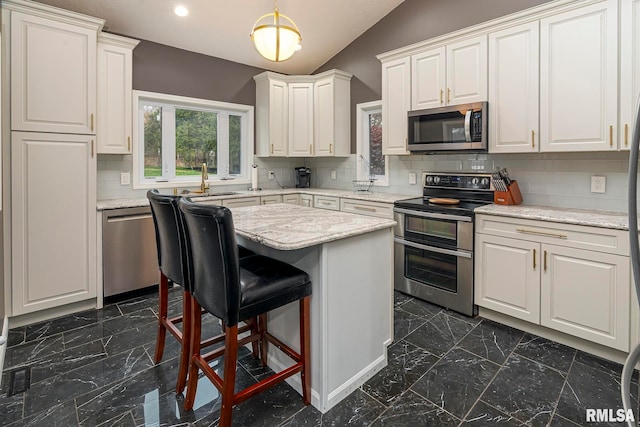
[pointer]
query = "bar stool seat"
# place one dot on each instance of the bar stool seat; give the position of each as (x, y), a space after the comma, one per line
(234, 290)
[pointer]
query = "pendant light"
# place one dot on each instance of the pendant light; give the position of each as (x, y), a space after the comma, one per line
(276, 36)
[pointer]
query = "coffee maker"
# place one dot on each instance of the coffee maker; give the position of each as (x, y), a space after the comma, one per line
(303, 177)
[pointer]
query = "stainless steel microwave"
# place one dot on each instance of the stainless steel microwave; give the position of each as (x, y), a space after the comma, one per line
(460, 127)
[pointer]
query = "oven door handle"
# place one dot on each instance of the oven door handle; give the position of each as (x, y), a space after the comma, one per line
(432, 248)
(432, 215)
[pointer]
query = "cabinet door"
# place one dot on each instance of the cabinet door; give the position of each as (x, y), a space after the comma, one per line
(629, 69)
(240, 202)
(269, 200)
(53, 220)
(324, 117)
(513, 89)
(467, 71)
(278, 118)
(507, 276)
(428, 79)
(586, 294)
(396, 101)
(306, 200)
(53, 76)
(579, 79)
(300, 119)
(114, 99)
(291, 199)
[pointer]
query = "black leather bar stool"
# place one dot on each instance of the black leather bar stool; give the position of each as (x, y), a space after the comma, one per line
(233, 290)
(171, 243)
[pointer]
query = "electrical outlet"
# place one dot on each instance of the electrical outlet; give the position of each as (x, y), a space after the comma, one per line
(125, 178)
(598, 184)
(413, 178)
(272, 175)
(334, 175)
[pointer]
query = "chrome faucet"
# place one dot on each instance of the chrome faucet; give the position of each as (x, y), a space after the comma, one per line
(204, 185)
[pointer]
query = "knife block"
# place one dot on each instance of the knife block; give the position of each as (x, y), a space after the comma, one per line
(510, 197)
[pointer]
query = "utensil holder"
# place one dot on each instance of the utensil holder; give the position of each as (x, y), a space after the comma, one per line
(510, 197)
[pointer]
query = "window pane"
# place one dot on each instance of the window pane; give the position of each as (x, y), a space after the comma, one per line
(152, 141)
(376, 159)
(235, 148)
(196, 141)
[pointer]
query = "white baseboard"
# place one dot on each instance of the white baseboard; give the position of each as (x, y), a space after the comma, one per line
(3, 347)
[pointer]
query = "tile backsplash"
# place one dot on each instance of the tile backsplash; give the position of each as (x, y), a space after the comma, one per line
(550, 179)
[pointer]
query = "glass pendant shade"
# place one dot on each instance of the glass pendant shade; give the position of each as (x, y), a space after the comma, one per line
(276, 36)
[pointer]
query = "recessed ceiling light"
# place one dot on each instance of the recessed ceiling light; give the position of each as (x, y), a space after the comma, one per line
(181, 11)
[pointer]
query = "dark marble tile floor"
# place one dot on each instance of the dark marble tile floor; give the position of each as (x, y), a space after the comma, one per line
(96, 369)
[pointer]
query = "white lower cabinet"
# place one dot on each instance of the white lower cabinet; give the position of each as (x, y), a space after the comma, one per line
(306, 200)
(53, 220)
(326, 202)
(382, 210)
(269, 200)
(291, 199)
(240, 202)
(573, 279)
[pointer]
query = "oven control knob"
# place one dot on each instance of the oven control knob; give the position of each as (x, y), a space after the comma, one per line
(475, 181)
(485, 182)
(429, 179)
(436, 179)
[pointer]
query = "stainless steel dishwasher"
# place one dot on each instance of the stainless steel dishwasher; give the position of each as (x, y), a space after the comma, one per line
(129, 254)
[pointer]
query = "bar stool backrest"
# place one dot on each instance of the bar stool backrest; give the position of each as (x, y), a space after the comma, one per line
(215, 262)
(171, 238)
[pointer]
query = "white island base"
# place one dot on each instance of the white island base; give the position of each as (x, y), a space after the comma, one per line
(351, 312)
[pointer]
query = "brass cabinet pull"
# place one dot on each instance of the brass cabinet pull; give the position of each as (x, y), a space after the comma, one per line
(330, 148)
(534, 259)
(129, 144)
(533, 139)
(91, 122)
(92, 148)
(611, 136)
(626, 134)
(271, 148)
(545, 260)
(448, 95)
(541, 233)
(441, 96)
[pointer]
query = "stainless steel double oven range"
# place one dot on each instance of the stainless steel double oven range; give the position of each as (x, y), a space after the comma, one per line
(434, 239)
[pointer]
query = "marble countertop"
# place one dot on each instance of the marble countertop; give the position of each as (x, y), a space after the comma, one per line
(289, 227)
(613, 220)
(372, 197)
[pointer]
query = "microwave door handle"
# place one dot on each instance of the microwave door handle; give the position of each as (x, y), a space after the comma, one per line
(467, 125)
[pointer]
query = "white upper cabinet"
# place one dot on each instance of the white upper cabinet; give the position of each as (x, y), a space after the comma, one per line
(451, 74)
(272, 100)
(629, 69)
(579, 79)
(332, 98)
(428, 79)
(300, 119)
(513, 89)
(53, 74)
(115, 57)
(303, 116)
(467, 71)
(396, 102)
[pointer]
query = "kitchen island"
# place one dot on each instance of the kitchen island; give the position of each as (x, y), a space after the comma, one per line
(350, 260)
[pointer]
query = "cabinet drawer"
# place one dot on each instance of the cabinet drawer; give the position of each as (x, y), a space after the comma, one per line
(291, 199)
(326, 202)
(382, 210)
(244, 201)
(576, 236)
(267, 200)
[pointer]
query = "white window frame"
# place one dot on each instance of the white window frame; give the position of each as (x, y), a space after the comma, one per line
(362, 143)
(169, 103)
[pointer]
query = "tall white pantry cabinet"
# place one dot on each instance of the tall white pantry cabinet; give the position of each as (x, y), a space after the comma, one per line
(52, 55)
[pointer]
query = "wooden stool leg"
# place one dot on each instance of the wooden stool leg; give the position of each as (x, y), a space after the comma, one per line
(185, 344)
(163, 296)
(262, 326)
(229, 379)
(305, 350)
(255, 345)
(196, 332)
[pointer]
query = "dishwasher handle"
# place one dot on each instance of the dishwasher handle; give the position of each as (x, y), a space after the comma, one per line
(120, 218)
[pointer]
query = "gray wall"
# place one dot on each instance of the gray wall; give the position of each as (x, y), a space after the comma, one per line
(165, 69)
(411, 22)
